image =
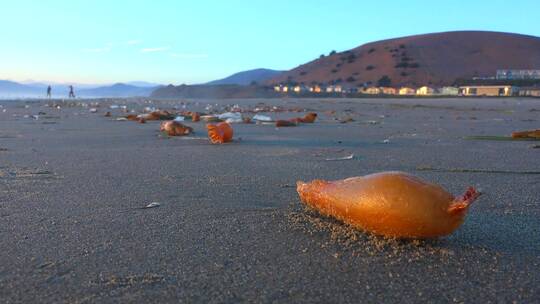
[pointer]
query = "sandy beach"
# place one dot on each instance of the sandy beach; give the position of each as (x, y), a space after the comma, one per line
(230, 227)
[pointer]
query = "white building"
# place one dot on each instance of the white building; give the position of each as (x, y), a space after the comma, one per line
(425, 91)
(333, 89)
(407, 91)
(449, 91)
(491, 90)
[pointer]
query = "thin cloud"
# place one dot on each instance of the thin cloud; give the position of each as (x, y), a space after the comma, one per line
(134, 42)
(153, 50)
(97, 50)
(189, 56)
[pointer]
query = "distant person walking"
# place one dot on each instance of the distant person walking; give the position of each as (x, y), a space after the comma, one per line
(71, 93)
(49, 91)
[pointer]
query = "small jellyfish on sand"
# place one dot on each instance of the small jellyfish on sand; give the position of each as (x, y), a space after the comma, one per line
(174, 128)
(220, 133)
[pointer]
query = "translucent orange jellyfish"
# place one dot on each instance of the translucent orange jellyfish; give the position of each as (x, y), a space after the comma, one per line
(158, 115)
(174, 128)
(132, 117)
(195, 117)
(220, 133)
(392, 204)
(309, 118)
(527, 134)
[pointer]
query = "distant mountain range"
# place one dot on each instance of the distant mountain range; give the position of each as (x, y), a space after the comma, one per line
(143, 84)
(257, 76)
(117, 90)
(246, 84)
(11, 89)
(431, 59)
(214, 91)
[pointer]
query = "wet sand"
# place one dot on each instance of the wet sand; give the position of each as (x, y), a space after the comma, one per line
(230, 227)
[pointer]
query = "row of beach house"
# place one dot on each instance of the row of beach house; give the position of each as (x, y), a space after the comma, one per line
(473, 90)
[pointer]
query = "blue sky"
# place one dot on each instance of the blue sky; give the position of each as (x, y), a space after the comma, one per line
(196, 41)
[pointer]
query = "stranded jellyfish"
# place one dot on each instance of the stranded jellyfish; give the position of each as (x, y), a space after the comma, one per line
(392, 204)
(132, 117)
(293, 122)
(195, 117)
(220, 133)
(309, 118)
(534, 134)
(174, 128)
(158, 115)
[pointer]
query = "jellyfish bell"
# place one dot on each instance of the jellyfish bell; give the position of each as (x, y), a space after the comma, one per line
(531, 134)
(158, 115)
(195, 117)
(392, 204)
(219, 133)
(175, 128)
(309, 118)
(132, 117)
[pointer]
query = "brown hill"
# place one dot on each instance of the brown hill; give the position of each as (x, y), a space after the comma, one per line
(430, 59)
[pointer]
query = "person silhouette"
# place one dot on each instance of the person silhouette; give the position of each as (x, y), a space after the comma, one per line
(71, 93)
(49, 90)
